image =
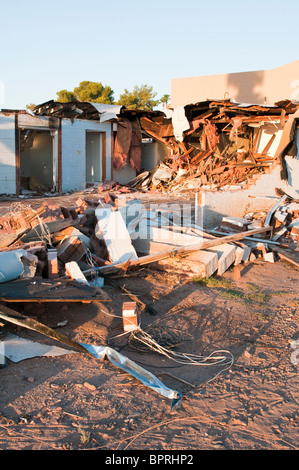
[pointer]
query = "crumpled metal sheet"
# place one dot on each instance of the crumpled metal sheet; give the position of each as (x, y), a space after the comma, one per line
(17, 349)
(144, 376)
(107, 111)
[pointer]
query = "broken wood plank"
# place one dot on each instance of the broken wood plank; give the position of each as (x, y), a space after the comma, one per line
(272, 138)
(286, 256)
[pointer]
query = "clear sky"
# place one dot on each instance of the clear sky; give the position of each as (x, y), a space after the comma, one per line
(49, 46)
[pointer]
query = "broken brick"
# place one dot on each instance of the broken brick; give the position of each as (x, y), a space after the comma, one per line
(71, 249)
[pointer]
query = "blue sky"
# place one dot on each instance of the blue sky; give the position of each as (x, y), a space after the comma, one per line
(46, 47)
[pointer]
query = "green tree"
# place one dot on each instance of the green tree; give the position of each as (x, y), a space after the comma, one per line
(141, 97)
(65, 96)
(165, 99)
(94, 92)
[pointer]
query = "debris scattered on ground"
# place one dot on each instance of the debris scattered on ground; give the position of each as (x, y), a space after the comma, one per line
(71, 253)
(59, 248)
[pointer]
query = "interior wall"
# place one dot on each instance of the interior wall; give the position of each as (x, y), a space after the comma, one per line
(124, 175)
(93, 157)
(152, 154)
(36, 162)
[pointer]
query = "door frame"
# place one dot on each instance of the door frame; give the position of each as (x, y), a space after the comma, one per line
(103, 152)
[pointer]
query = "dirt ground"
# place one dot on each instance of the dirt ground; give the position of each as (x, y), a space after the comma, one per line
(76, 402)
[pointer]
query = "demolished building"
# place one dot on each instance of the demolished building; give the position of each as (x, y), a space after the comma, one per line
(210, 145)
(60, 147)
(249, 151)
(216, 149)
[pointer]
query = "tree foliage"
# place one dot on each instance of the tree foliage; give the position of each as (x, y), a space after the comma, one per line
(165, 99)
(64, 96)
(142, 97)
(93, 92)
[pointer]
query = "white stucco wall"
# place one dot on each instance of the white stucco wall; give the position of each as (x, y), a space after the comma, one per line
(74, 151)
(7, 154)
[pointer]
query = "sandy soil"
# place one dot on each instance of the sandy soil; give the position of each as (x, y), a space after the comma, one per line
(76, 402)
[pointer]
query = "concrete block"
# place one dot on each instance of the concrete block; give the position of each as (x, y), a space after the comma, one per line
(262, 247)
(281, 217)
(226, 256)
(246, 254)
(72, 270)
(279, 234)
(239, 255)
(74, 232)
(30, 262)
(112, 229)
(294, 227)
(269, 257)
(200, 263)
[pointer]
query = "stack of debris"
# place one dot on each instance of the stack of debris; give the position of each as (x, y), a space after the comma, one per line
(216, 145)
(50, 245)
(64, 252)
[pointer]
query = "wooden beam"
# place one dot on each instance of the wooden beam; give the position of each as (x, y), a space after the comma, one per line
(286, 256)
(181, 251)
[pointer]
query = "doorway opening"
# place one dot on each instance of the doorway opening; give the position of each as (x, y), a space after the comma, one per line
(94, 157)
(37, 167)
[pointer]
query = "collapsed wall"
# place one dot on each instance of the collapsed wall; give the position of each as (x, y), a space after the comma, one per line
(237, 155)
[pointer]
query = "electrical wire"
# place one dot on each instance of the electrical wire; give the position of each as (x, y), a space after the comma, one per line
(216, 358)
